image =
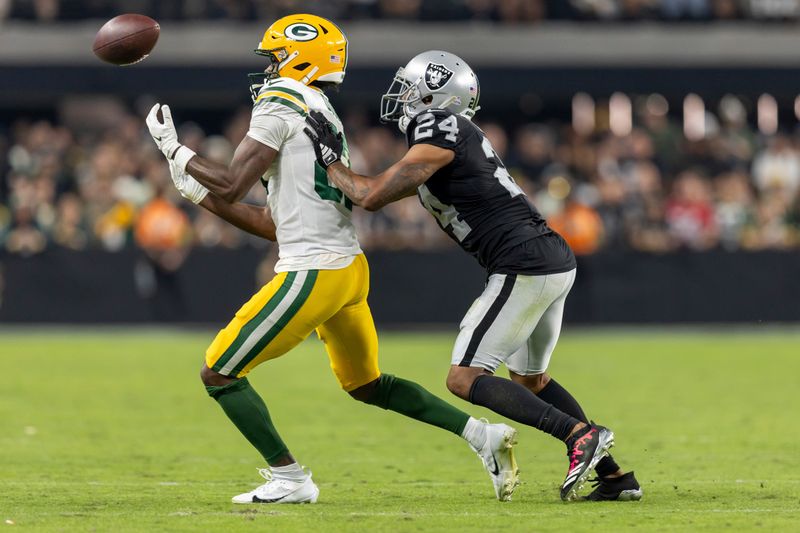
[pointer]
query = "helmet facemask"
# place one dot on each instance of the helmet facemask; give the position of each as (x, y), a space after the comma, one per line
(401, 92)
(277, 58)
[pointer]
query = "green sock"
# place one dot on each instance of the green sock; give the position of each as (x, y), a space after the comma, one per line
(408, 398)
(249, 414)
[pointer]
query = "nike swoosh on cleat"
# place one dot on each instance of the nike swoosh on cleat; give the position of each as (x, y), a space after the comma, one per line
(256, 499)
(496, 470)
(157, 138)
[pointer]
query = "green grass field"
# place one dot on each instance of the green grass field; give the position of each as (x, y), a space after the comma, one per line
(113, 431)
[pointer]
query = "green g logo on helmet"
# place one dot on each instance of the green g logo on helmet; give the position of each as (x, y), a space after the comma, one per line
(301, 31)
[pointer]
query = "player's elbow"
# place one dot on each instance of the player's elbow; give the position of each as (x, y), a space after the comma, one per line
(230, 196)
(371, 204)
(233, 193)
(233, 187)
(270, 235)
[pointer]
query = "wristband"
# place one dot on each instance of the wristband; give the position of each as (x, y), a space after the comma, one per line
(199, 197)
(182, 156)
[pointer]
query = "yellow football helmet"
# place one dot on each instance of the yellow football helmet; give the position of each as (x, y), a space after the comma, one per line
(306, 48)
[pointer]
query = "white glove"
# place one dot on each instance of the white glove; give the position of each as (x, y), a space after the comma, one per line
(190, 188)
(166, 137)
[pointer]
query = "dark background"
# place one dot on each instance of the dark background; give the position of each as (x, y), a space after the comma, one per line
(432, 288)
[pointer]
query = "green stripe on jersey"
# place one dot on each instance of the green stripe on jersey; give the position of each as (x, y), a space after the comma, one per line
(282, 101)
(280, 323)
(278, 87)
(253, 323)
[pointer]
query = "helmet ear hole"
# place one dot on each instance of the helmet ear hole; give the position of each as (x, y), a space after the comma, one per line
(302, 66)
(427, 99)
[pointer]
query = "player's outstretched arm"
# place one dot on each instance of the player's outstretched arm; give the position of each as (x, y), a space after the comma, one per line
(216, 187)
(250, 218)
(373, 192)
(398, 181)
(230, 183)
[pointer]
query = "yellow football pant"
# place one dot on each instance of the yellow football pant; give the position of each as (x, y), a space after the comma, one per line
(286, 310)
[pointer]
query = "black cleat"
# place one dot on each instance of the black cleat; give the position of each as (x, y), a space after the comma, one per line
(584, 450)
(619, 489)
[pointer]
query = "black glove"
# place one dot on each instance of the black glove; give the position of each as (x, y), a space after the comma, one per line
(328, 144)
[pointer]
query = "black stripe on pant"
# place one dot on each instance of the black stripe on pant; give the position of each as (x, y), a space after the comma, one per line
(488, 319)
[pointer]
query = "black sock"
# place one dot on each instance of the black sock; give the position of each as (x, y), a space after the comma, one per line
(516, 402)
(606, 466)
(558, 396)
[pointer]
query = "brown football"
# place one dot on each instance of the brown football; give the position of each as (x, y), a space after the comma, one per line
(126, 39)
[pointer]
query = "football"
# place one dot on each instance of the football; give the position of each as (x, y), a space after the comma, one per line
(126, 39)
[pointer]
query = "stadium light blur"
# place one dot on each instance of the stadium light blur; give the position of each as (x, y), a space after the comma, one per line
(620, 111)
(767, 109)
(694, 117)
(583, 110)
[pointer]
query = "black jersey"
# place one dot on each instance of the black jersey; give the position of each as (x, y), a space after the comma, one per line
(477, 203)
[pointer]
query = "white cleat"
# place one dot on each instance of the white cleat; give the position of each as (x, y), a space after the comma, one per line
(277, 490)
(497, 454)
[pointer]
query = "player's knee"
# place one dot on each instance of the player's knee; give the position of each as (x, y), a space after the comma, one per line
(364, 393)
(210, 378)
(377, 392)
(534, 382)
(459, 384)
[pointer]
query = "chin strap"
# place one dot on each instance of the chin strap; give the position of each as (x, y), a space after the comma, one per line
(308, 76)
(469, 113)
(403, 123)
(450, 101)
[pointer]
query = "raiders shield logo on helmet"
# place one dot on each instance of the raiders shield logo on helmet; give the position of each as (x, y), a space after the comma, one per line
(437, 76)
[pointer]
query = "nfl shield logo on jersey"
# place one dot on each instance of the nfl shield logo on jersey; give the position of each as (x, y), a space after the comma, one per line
(437, 76)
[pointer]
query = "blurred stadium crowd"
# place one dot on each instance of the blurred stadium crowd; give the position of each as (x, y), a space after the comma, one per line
(94, 179)
(505, 11)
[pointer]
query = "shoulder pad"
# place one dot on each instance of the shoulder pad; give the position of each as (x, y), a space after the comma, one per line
(440, 112)
(438, 127)
(277, 96)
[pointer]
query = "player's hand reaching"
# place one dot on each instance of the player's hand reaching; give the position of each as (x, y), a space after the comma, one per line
(328, 144)
(166, 137)
(190, 188)
(163, 132)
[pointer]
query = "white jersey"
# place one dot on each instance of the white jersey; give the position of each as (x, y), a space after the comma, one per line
(312, 217)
